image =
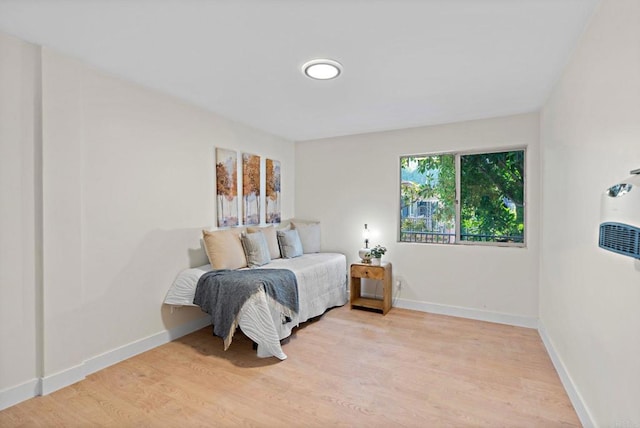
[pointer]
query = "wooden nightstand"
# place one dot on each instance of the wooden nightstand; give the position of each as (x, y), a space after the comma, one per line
(380, 273)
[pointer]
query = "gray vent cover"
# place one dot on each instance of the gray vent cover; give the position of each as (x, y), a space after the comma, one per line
(620, 238)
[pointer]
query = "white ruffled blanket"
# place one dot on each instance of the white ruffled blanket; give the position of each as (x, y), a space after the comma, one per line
(322, 284)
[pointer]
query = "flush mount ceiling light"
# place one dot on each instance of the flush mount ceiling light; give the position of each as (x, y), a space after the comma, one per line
(322, 69)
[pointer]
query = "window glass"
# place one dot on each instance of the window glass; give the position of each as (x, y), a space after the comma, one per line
(428, 193)
(491, 188)
(492, 197)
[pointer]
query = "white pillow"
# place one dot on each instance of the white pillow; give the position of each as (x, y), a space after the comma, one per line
(309, 236)
(290, 245)
(255, 248)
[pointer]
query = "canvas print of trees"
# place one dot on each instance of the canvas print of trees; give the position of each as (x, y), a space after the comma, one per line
(251, 188)
(227, 187)
(272, 191)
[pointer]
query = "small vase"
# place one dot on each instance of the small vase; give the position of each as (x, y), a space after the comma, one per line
(365, 255)
(376, 261)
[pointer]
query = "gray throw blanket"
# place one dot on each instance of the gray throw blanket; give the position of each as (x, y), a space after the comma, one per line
(221, 294)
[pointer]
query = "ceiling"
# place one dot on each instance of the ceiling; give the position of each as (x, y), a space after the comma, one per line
(406, 63)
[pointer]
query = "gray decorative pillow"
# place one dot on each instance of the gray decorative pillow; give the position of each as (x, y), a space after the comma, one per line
(290, 245)
(256, 249)
(271, 237)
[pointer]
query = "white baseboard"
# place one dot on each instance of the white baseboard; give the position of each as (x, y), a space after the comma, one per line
(56, 381)
(14, 395)
(61, 379)
(114, 356)
(578, 403)
(475, 314)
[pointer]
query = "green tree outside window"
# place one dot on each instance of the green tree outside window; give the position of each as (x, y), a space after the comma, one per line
(491, 197)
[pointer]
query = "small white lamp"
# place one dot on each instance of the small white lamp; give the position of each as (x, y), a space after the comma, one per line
(365, 253)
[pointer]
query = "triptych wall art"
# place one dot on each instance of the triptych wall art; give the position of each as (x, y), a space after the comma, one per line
(227, 188)
(272, 184)
(250, 189)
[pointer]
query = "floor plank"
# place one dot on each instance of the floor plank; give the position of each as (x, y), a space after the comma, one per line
(349, 368)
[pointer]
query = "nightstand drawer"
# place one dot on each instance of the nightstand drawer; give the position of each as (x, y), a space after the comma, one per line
(371, 272)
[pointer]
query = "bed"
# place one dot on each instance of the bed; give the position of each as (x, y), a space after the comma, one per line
(322, 284)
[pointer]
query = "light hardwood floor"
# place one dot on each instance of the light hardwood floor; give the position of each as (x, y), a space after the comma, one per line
(350, 368)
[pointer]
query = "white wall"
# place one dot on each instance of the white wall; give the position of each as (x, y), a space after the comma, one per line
(19, 149)
(135, 170)
(346, 182)
(128, 185)
(590, 136)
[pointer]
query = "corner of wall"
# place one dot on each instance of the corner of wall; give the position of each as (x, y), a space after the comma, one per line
(570, 387)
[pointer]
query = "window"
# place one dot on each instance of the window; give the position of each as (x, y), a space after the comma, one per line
(490, 208)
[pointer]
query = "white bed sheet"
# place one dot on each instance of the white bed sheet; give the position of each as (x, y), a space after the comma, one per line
(322, 284)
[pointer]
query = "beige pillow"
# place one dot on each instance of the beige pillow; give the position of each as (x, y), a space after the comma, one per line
(271, 238)
(284, 225)
(224, 249)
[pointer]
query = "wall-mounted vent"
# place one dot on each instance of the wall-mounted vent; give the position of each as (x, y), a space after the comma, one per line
(620, 238)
